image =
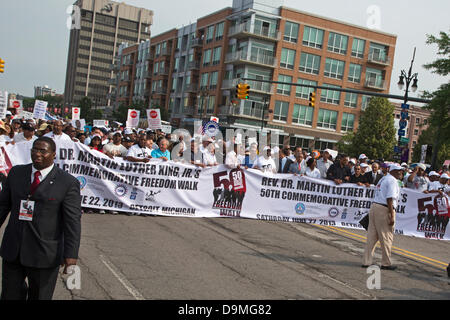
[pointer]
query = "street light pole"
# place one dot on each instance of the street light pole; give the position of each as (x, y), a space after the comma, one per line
(406, 77)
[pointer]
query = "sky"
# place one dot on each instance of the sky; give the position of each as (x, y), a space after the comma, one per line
(35, 37)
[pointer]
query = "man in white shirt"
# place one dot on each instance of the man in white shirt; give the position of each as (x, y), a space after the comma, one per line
(231, 160)
(265, 162)
(140, 152)
(382, 218)
(27, 134)
(417, 180)
(57, 134)
(115, 148)
(324, 163)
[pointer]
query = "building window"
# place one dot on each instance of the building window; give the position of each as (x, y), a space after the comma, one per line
(213, 80)
(374, 78)
(334, 68)
(322, 145)
(206, 57)
(414, 143)
(337, 43)
(351, 100)
(358, 48)
(365, 102)
(302, 115)
(299, 142)
(313, 37)
(354, 73)
(303, 92)
(309, 63)
(204, 80)
(216, 55)
(284, 88)
(417, 120)
(378, 52)
(291, 32)
(281, 111)
(287, 58)
(327, 119)
(425, 122)
(348, 120)
(209, 34)
(416, 132)
(330, 96)
(219, 31)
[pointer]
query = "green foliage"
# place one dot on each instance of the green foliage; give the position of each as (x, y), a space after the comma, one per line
(440, 66)
(375, 136)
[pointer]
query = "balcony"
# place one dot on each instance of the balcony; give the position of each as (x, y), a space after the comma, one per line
(240, 57)
(245, 30)
(159, 90)
(193, 65)
(375, 57)
(192, 87)
(254, 113)
(375, 83)
(196, 42)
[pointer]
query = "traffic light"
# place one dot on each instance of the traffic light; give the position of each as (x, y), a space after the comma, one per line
(242, 91)
(2, 65)
(312, 99)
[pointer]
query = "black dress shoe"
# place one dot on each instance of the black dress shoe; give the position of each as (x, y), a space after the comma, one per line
(388, 267)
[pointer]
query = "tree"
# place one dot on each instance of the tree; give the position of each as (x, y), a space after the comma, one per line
(439, 106)
(375, 136)
(87, 112)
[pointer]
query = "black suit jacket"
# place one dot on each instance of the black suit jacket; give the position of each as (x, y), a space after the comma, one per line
(370, 178)
(54, 233)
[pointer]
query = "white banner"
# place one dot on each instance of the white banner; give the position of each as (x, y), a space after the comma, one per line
(154, 119)
(100, 123)
(177, 189)
(40, 108)
(133, 118)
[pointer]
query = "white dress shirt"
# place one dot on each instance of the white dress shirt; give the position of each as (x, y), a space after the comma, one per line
(43, 173)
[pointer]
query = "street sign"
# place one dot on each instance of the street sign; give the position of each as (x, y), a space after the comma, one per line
(404, 115)
(405, 106)
(401, 133)
(402, 124)
(397, 149)
(404, 140)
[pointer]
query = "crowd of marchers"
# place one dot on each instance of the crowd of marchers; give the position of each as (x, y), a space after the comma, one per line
(141, 145)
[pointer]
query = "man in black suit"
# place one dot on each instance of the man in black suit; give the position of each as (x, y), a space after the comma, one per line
(374, 176)
(35, 245)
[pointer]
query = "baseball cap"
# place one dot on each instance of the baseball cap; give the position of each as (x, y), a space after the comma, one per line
(404, 164)
(8, 113)
(394, 166)
(266, 148)
(128, 131)
(352, 161)
(445, 176)
(3, 126)
(127, 139)
(433, 173)
(43, 126)
(364, 165)
(422, 166)
(362, 156)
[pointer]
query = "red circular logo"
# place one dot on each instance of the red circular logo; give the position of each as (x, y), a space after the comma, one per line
(133, 114)
(153, 114)
(75, 110)
(16, 104)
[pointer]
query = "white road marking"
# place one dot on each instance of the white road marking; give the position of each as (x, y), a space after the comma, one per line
(119, 276)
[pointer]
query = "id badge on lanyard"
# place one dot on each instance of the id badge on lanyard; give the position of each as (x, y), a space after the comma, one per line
(26, 210)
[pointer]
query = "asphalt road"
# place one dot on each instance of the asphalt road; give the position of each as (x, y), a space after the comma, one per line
(134, 258)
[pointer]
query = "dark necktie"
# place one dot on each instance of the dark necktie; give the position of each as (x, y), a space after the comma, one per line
(36, 182)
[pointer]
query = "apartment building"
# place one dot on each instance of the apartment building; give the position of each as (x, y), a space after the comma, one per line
(193, 71)
(104, 25)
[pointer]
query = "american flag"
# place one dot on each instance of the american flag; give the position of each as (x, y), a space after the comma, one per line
(201, 129)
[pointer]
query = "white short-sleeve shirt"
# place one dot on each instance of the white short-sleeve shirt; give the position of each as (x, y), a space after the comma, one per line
(387, 188)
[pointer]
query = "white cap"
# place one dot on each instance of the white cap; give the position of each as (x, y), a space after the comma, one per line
(207, 138)
(445, 176)
(327, 150)
(8, 113)
(276, 149)
(422, 166)
(404, 164)
(362, 156)
(363, 165)
(128, 131)
(266, 148)
(433, 173)
(352, 161)
(394, 166)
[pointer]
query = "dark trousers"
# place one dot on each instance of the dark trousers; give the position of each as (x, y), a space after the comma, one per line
(41, 282)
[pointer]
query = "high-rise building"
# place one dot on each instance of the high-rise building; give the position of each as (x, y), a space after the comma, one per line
(193, 71)
(94, 43)
(43, 91)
